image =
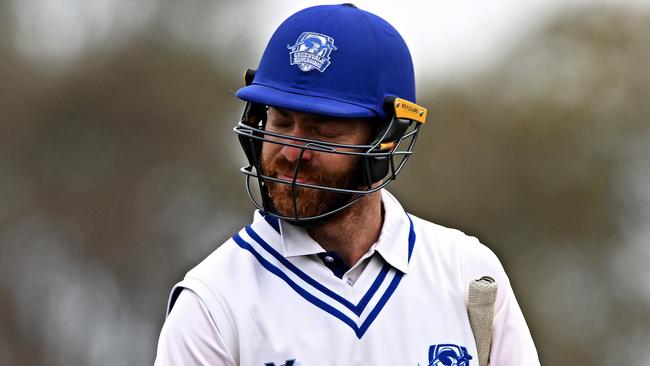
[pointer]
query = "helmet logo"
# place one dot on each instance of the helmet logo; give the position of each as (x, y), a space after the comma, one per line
(312, 51)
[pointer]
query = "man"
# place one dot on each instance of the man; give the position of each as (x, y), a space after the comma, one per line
(333, 271)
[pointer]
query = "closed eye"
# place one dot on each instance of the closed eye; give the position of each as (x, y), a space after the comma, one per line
(329, 132)
(280, 124)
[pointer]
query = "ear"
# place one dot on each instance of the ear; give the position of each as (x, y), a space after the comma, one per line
(401, 114)
(254, 116)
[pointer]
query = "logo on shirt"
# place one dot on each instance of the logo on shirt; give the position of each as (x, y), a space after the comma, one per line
(312, 51)
(286, 363)
(448, 355)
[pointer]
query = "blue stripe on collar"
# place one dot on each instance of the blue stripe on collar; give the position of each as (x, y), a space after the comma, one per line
(273, 221)
(356, 309)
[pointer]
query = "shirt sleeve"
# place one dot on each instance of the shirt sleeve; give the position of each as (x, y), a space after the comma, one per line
(189, 336)
(512, 343)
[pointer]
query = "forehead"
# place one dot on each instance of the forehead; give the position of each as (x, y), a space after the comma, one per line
(297, 116)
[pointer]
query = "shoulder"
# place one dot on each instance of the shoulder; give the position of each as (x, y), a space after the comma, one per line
(219, 263)
(211, 278)
(219, 274)
(215, 282)
(444, 239)
(458, 252)
(189, 334)
(232, 271)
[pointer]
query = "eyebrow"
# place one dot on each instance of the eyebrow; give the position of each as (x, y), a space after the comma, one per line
(281, 111)
(317, 117)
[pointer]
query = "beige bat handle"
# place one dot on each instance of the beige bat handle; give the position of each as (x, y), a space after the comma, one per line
(481, 298)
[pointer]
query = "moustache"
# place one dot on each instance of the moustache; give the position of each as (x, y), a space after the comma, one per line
(280, 166)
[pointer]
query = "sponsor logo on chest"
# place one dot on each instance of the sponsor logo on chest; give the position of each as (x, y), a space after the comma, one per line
(448, 355)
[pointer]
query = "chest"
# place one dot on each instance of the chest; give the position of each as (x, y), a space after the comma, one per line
(387, 318)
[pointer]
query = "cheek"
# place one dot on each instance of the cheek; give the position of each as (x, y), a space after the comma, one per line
(337, 163)
(270, 149)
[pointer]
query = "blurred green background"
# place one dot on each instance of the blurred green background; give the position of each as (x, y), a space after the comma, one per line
(119, 168)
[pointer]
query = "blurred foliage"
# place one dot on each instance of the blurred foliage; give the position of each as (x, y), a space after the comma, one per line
(530, 157)
(121, 172)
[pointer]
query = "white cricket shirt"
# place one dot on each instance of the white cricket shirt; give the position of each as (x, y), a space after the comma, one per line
(271, 296)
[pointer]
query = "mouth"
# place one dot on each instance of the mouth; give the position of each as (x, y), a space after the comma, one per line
(290, 178)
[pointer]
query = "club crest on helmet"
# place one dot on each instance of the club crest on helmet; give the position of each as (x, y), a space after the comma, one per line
(312, 51)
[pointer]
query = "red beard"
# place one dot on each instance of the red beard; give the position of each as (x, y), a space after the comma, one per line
(310, 202)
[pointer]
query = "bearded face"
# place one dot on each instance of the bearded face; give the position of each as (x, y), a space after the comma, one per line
(309, 201)
(282, 153)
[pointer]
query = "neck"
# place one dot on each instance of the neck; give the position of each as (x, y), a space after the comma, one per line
(352, 232)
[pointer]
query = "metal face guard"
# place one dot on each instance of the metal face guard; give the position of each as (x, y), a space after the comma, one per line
(379, 162)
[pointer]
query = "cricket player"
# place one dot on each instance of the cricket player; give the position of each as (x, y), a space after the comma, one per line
(333, 270)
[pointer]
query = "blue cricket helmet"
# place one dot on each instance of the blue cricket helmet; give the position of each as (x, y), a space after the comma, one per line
(334, 60)
(339, 61)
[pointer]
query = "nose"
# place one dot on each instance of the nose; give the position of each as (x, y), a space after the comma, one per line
(292, 153)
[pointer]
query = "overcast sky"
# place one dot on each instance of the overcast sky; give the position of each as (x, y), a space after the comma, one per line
(445, 37)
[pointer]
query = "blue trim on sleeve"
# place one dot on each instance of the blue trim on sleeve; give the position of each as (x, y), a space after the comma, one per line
(176, 291)
(411, 237)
